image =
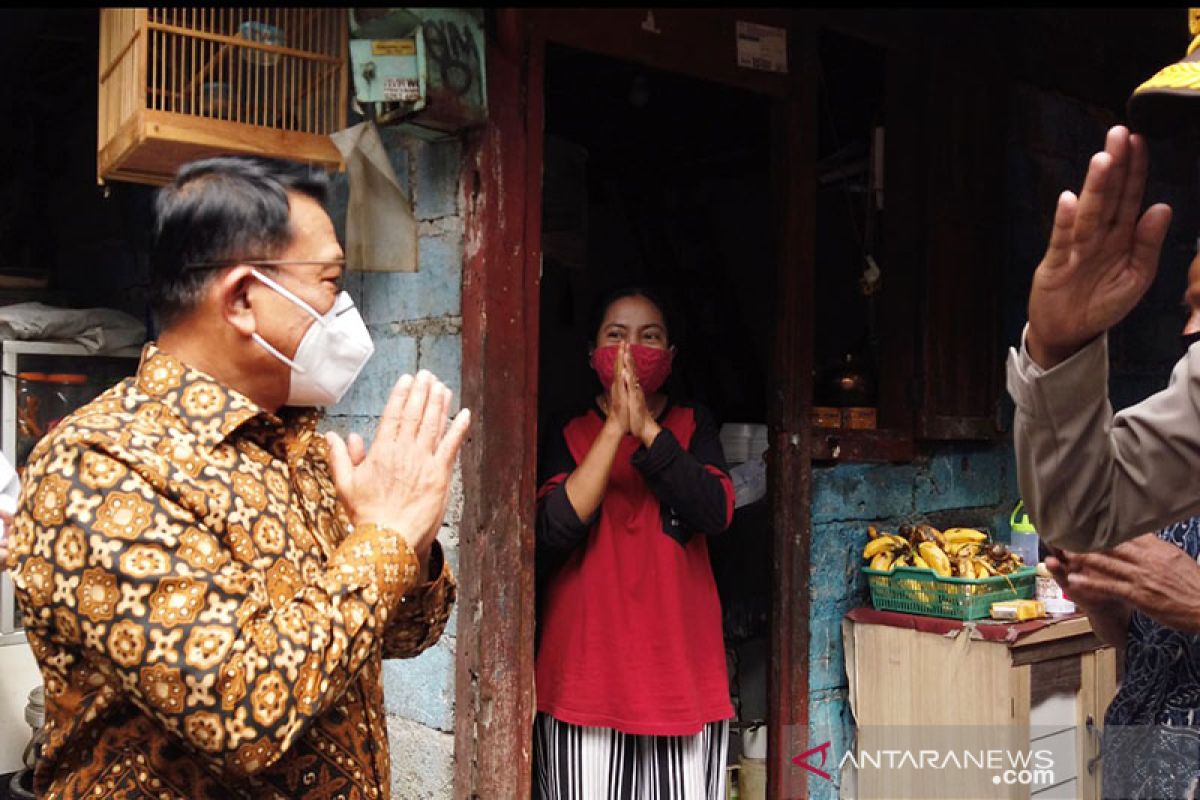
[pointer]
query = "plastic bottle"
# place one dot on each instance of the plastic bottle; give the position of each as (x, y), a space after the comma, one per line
(1024, 539)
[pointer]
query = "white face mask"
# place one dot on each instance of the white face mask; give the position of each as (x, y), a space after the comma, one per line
(332, 352)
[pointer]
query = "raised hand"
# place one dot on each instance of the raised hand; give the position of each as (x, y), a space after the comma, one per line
(403, 480)
(618, 393)
(1102, 254)
(641, 420)
(586, 484)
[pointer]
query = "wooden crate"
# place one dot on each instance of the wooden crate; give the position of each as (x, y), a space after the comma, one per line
(183, 83)
(1045, 690)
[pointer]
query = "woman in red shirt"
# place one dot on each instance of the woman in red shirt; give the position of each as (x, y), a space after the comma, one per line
(632, 690)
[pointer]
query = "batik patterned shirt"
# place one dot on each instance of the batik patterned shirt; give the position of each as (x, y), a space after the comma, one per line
(207, 622)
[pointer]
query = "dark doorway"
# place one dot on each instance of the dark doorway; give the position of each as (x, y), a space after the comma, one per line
(656, 179)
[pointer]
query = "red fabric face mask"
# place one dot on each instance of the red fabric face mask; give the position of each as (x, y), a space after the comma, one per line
(653, 365)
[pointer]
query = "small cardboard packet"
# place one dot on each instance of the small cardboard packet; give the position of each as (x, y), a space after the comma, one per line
(1018, 610)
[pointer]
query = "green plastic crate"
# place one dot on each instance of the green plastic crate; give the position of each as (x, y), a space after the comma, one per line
(918, 590)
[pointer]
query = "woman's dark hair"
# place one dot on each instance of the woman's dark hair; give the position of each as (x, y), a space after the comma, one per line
(670, 319)
(215, 212)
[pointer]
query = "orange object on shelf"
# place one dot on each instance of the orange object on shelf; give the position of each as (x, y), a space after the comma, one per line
(29, 424)
(826, 417)
(859, 418)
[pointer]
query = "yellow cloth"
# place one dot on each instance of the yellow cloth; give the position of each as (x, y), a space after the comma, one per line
(1183, 74)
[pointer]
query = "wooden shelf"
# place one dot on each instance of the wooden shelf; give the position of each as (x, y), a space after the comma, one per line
(841, 445)
(1045, 690)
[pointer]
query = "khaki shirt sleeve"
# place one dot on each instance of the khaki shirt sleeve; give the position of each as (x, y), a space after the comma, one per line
(150, 594)
(420, 618)
(1091, 479)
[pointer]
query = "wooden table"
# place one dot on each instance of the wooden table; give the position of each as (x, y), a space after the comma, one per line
(982, 700)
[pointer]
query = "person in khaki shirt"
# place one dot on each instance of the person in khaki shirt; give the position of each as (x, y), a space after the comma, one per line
(1140, 598)
(1092, 479)
(1145, 573)
(209, 585)
(1098, 481)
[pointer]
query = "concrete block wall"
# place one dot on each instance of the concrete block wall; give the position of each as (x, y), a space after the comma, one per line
(415, 320)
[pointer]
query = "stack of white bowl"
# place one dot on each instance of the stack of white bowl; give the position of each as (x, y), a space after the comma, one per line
(743, 441)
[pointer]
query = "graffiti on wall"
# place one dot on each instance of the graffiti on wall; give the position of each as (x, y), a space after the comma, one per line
(454, 52)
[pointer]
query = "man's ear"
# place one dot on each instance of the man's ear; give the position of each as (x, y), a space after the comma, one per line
(232, 291)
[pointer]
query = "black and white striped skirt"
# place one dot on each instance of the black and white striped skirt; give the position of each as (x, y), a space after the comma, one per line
(579, 763)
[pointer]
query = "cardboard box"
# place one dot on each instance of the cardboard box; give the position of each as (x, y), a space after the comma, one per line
(859, 418)
(826, 417)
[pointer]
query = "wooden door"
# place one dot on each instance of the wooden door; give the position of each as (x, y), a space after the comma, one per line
(494, 671)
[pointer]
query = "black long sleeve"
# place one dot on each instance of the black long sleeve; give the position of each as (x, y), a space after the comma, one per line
(682, 481)
(558, 527)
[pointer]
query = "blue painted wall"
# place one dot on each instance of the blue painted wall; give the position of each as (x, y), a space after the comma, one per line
(970, 484)
(416, 323)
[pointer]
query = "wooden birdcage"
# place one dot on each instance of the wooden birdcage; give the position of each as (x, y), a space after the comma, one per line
(183, 83)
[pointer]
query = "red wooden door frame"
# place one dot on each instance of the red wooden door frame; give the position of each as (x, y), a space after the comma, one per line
(501, 291)
(494, 661)
(794, 152)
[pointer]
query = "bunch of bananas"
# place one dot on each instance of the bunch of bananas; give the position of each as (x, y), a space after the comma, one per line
(952, 553)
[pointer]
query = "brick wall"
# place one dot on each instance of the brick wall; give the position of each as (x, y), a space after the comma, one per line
(416, 323)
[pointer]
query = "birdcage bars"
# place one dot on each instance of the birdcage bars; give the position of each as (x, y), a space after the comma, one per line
(177, 83)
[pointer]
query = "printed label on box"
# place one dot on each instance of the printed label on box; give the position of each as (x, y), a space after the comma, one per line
(393, 47)
(761, 47)
(401, 90)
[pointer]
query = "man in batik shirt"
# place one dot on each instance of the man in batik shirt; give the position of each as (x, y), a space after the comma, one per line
(208, 585)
